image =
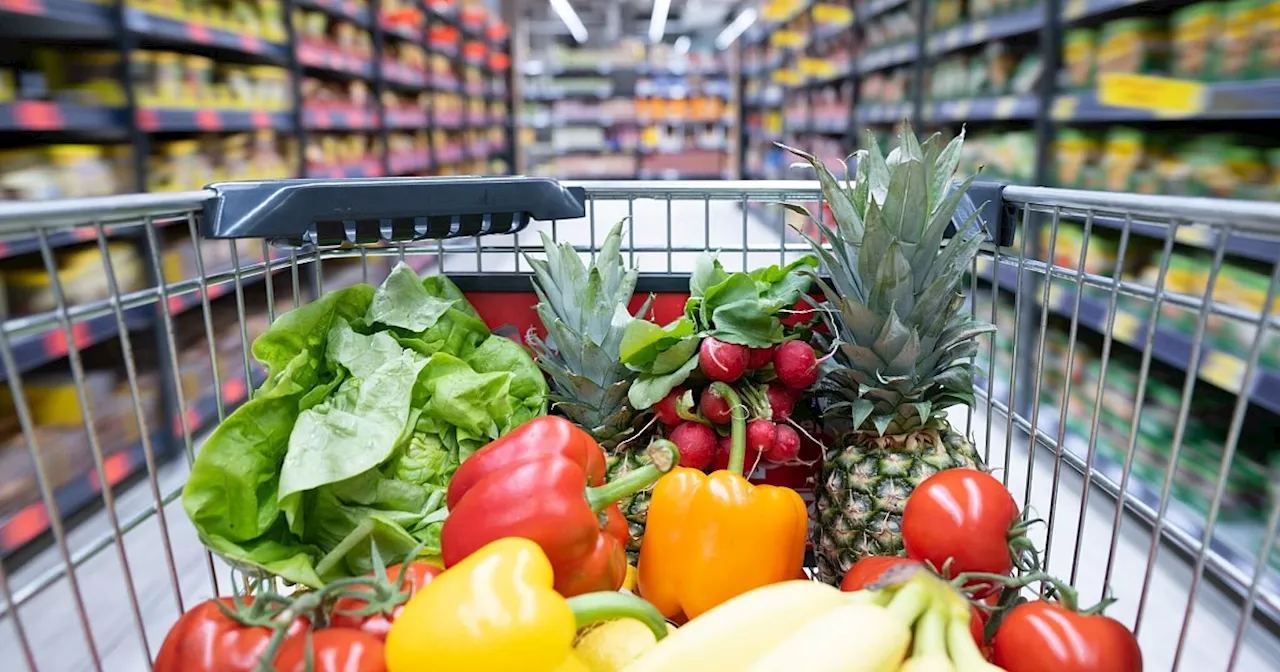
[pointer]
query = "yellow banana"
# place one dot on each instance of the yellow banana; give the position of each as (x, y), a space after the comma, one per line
(929, 647)
(852, 638)
(736, 633)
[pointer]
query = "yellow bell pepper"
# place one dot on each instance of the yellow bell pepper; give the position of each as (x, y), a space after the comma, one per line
(711, 538)
(497, 610)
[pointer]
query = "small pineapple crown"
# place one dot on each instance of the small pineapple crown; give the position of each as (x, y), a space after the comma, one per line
(906, 346)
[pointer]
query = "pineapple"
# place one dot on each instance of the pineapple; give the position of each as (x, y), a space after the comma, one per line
(585, 312)
(905, 343)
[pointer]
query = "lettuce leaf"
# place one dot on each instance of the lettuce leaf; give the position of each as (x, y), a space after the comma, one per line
(373, 399)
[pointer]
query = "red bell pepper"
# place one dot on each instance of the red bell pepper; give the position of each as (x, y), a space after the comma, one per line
(539, 482)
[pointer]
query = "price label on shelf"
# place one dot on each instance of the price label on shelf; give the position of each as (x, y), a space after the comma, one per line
(960, 110)
(1201, 236)
(56, 343)
(22, 6)
(250, 43)
(1005, 107)
(1075, 9)
(35, 115)
(1224, 370)
(1165, 96)
(208, 120)
(148, 119)
(979, 32)
(1064, 107)
(260, 119)
(832, 13)
(197, 32)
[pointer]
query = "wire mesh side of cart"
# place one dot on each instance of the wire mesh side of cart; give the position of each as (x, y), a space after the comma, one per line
(101, 594)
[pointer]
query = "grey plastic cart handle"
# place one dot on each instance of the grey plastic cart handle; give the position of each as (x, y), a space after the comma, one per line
(373, 210)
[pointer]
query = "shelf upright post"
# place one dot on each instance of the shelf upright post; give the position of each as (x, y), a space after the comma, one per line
(1051, 57)
(1050, 52)
(295, 87)
(140, 140)
(921, 62)
(851, 81)
(127, 43)
(430, 19)
(739, 93)
(509, 77)
(379, 84)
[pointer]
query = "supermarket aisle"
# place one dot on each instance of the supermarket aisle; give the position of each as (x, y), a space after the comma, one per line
(49, 618)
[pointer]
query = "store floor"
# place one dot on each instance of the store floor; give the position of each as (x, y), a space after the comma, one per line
(54, 624)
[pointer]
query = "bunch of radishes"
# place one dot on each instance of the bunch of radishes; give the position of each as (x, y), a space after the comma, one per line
(769, 382)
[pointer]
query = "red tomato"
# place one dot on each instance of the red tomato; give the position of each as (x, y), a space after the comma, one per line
(962, 516)
(205, 640)
(1047, 637)
(377, 624)
(867, 571)
(333, 650)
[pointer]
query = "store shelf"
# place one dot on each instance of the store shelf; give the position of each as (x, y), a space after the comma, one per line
(340, 120)
(1222, 100)
(406, 119)
(1220, 368)
(882, 113)
(342, 9)
(97, 15)
(31, 115)
(178, 31)
(986, 30)
(1238, 245)
(18, 246)
(85, 490)
(1185, 525)
(36, 350)
(875, 8)
(367, 168)
(983, 109)
(887, 57)
(163, 120)
(1074, 10)
(402, 164)
(401, 76)
(334, 62)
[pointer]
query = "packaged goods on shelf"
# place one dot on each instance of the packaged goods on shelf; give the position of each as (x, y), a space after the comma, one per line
(28, 286)
(170, 79)
(603, 167)
(260, 18)
(1130, 159)
(1079, 58)
(1137, 45)
(888, 86)
(326, 150)
(625, 54)
(898, 26)
(183, 165)
(998, 70)
(404, 62)
(65, 171)
(1002, 156)
(321, 36)
(831, 107)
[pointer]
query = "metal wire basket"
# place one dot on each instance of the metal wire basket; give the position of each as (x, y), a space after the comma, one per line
(1118, 315)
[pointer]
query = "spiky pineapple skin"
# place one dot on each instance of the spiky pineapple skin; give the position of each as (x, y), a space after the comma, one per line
(863, 487)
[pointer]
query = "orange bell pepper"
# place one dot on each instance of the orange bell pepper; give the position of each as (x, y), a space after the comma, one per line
(711, 538)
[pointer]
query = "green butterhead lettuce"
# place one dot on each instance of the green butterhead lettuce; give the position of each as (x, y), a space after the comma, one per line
(372, 399)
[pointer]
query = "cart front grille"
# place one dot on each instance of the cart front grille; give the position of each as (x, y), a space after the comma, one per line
(1129, 396)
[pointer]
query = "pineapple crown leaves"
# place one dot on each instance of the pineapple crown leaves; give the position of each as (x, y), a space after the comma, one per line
(584, 310)
(894, 299)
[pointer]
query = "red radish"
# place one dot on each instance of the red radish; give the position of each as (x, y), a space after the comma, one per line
(666, 408)
(725, 362)
(786, 445)
(697, 444)
(714, 407)
(722, 454)
(760, 357)
(761, 435)
(781, 402)
(796, 365)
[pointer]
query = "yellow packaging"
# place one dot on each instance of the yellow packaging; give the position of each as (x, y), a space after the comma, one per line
(8, 85)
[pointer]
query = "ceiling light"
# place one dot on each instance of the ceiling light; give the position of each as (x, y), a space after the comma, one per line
(734, 30)
(570, 19)
(658, 22)
(682, 44)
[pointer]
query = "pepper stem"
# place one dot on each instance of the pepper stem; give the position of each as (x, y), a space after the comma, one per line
(737, 427)
(610, 605)
(663, 456)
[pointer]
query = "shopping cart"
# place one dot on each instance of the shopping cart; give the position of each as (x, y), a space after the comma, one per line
(1195, 583)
